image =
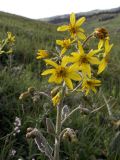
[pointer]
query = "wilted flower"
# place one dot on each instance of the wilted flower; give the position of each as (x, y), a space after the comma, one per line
(102, 35)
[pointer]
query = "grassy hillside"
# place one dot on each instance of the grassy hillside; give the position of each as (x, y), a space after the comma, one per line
(30, 35)
(94, 131)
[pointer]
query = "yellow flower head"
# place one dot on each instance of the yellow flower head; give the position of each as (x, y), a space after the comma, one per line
(104, 61)
(56, 99)
(42, 54)
(10, 38)
(62, 72)
(65, 44)
(74, 27)
(90, 84)
(84, 60)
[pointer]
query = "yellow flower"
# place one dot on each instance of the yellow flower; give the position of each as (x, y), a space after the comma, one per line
(56, 99)
(104, 61)
(74, 27)
(42, 54)
(84, 60)
(11, 38)
(90, 84)
(62, 73)
(65, 44)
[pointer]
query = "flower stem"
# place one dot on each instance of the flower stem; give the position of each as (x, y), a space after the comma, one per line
(58, 126)
(58, 130)
(90, 36)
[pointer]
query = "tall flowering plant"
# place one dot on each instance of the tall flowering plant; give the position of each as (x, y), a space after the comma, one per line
(71, 71)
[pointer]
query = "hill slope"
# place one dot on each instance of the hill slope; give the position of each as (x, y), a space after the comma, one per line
(101, 14)
(30, 34)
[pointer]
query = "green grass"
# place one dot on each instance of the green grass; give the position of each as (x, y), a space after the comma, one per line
(93, 131)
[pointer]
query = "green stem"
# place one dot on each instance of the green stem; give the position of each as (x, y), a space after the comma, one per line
(69, 115)
(58, 126)
(58, 130)
(90, 36)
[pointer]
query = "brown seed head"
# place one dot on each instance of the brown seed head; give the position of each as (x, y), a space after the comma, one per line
(24, 95)
(31, 90)
(101, 33)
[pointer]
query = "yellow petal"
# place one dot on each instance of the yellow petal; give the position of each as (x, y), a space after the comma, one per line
(108, 47)
(94, 89)
(86, 69)
(93, 52)
(81, 30)
(93, 60)
(80, 21)
(59, 42)
(52, 63)
(100, 44)
(97, 82)
(102, 66)
(81, 35)
(55, 79)
(65, 61)
(59, 80)
(63, 51)
(72, 19)
(39, 57)
(52, 78)
(80, 48)
(68, 83)
(75, 54)
(74, 76)
(63, 28)
(74, 67)
(48, 71)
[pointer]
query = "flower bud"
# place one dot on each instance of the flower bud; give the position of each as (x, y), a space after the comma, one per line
(56, 99)
(70, 135)
(54, 91)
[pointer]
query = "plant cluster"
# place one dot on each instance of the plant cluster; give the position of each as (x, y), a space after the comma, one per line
(72, 68)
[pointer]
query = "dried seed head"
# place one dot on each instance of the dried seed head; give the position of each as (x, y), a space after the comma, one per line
(24, 95)
(29, 129)
(101, 33)
(70, 135)
(30, 133)
(31, 90)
